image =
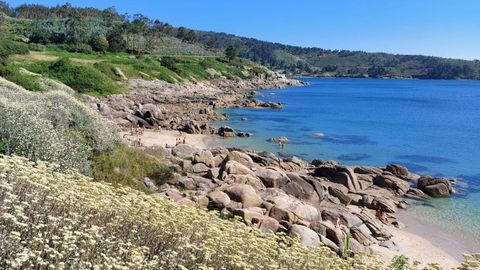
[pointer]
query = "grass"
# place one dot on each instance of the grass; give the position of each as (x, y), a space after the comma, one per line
(128, 167)
(97, 73)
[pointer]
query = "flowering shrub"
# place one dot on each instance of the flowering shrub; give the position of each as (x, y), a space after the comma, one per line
(52, 220)
(53, 126)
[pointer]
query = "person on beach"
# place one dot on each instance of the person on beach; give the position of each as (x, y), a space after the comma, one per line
(184, 140)
(381, 215)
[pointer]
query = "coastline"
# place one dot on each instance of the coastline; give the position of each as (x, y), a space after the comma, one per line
(413, 241)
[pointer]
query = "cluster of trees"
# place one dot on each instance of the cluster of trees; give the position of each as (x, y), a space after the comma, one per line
(86, 29)
(93, 29)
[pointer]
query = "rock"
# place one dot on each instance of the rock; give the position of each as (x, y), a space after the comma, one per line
(397, 170)
(417, 194)
(300, 189)
(269, 225)
(302, 210)
(398, 224)
(308, 237)
(226, 131)
(213, 173)
(184, 151)
(330, 244)
(247, 179)
(338, 174)
(200, 168)
(387, 205)
(265, 158)
(218, 199)
(186, 183)
(248, 216)
(377, 229)
(344, 198)
(244, 194)
(279, 139)
(240, 157)
(201, 201)
(149, 184)
(362, 234)
(244, 134)
(234, 167)
(394, 183)
(271, 178)
(281, 214)
(244, 119)
(435, 187)
(318, 185)
(205, 157)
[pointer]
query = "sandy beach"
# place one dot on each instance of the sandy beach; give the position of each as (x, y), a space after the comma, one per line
(168, 137)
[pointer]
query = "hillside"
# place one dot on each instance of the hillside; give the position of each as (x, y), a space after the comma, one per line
(140, 35)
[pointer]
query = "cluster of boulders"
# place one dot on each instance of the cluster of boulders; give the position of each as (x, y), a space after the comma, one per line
(188, 107)
(293, 196)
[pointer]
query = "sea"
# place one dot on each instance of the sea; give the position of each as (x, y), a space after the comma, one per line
(430, 126)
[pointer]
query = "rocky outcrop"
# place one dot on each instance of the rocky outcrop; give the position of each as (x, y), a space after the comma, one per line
(292, 196)
(435, 187)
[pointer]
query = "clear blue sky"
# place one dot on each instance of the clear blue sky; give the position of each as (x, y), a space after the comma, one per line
(448, 28)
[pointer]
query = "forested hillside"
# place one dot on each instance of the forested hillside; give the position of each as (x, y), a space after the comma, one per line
(87, 29)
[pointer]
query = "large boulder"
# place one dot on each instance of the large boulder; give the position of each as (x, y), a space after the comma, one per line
(240, 158)
(392, 182)
(244, 194)
(271, 177)
(234, 167)
(339, 174)
(435, 187)
(397, 170)
(308, 237)
(280, 199)
(184, 151)
(226, 132)
(205, 157)
(300, 189)
(218, 199)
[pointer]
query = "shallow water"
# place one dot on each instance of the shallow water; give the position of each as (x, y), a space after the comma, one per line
(432, 127)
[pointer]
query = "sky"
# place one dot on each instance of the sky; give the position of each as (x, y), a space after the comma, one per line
(446, 28)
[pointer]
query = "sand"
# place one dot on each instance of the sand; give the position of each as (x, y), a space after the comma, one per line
(424, 242)
(167, 137)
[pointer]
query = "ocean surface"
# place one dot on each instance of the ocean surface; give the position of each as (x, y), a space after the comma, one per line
(431, 127)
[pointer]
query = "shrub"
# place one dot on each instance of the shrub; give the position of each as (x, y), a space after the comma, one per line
(129, 166)
(99, 43)
(53, 126)
(2, 147)
(67, 221)
(77, 48)
(84, 78)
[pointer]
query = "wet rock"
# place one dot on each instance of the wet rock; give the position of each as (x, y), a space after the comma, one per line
(397, 170)
(226, 131)
(435, 187)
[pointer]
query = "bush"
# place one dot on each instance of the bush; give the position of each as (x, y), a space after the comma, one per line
(53, 126)
(2, 147)
(77, 48)
(99, 43)
(84, 78)
(128, 166)
(67, 221)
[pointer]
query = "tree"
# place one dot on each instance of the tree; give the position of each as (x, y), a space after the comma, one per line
(191, 36)
(40, 35)
(182, 32)
(116, 42)
(231, 53)
(77, 30)
(99, 43)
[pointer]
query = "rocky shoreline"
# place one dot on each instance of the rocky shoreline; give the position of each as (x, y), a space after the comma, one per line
(347, 208)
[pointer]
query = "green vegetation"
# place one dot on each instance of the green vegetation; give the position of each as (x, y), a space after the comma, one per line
(52, 126)
(128, 167)
(88, 29)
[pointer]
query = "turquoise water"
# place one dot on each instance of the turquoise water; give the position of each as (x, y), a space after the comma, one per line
(432, 127)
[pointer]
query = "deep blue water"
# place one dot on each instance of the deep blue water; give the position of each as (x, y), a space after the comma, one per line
(432, 127)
